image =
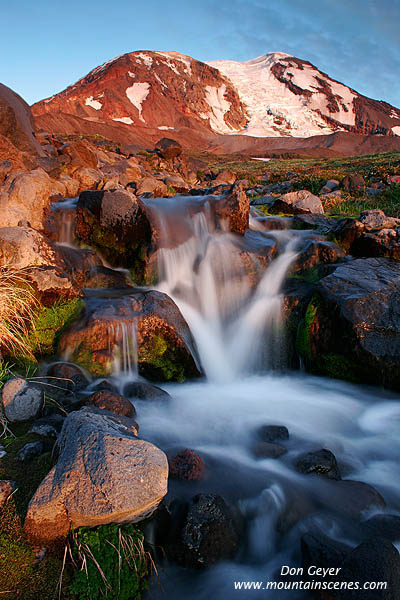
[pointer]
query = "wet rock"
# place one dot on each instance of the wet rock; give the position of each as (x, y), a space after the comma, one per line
(321, 462)
(298, 506)
(186, 465)
(262, 200)
(168, 148)
(145, 391)
(103, 475)
(116, 222)
(319, 223)
(225, 177)
(352, 498)
(316, 252)
(233, 209)
(268, 450)
(205, 533)
(31, 451)
(323, 552)
(296, 203)
(387, 526)
(352, 329)
(21, 400)
(164, 341)
(70, 377)
(6, 489)
(274, 223)
(353, 183)
(113, 403)
(272, 433)
(44, 429)
(375, 560)
(27, 197)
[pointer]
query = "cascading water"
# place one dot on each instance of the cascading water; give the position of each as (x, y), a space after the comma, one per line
(233, 310)
(64, 214)
(125, 362)
(231, 315)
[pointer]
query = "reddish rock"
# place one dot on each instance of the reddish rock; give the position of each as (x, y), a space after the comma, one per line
(81, 154)
(16, 122)
(113, 403)
(233, 209)
(353, 183)
(225, 177)
(186, 465)
(168, 148)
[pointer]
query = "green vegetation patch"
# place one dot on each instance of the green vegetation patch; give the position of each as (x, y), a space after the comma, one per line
(51, 322)
(111, 563)
(160, 360)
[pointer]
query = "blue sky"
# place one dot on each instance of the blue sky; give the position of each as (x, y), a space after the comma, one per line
(46, 45)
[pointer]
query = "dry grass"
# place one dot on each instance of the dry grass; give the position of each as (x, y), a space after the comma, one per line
(17, 312)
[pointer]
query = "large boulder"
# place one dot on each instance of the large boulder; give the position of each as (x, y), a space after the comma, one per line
(16, 122)
(26, 198)
(351, 328)
(104, 474)
(297, 203)
(108, 330)
(151, 187)
(115, 222)
(79, 154)
(22, 247)
(88, 178)
(124, 171)
(168, 148)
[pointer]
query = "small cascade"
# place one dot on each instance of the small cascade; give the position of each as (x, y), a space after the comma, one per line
(234, 317)
(65, 215)
(123, 337)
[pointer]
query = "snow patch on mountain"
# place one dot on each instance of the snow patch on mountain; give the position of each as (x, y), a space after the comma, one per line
(93, 103)
(219, 106)
(137, 94)
(396, 130)
(273, 109)
(126, 120)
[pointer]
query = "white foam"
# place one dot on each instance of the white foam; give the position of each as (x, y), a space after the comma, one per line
(137, 94)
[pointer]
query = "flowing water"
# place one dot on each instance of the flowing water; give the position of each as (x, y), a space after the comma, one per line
(233, 308)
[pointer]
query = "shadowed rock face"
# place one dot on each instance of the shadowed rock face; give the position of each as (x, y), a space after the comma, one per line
(164, 341)
(104, 474)
(16, 122)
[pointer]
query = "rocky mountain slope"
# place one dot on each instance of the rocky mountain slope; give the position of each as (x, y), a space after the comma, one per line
(209, 105)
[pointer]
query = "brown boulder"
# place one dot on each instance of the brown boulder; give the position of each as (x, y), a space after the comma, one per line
(233, 209)
(16, 122)
(168, 148)
(22, 247)
(225, 177)
(150, 186)
(80, 154)
(88, 178)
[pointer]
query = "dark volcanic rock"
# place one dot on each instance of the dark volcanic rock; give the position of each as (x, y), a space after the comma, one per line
(273, 433)
(387, 526)
(268, 450)
(375, 560)
(351, 498)
(145, 391)
(321, 462)
(205, 533)
(322, 551)
(353, 183)
(296, 203)
(352, 327)
(317, 252)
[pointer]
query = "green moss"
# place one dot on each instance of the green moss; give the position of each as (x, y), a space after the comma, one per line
(50, 322)
(28, 475)
(310, 275)
(20, 577)
(171, 190)
(119, 554)
(303, 341)
(159, 360)
(338, 367)
(83, 355)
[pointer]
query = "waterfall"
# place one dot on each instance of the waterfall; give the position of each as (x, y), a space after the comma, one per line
(234, 320)
(125, 355)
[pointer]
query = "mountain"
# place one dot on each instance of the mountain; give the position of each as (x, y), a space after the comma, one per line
(137, 96)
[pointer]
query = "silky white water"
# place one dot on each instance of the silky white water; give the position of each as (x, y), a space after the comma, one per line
(235, 322)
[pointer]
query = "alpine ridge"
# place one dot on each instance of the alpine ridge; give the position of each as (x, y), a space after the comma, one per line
(275, 97)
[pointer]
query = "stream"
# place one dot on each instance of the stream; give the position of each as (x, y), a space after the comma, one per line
(232, 305)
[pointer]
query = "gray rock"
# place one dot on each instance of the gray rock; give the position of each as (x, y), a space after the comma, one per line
(46, 430)
(30, 451)
(272, 433)
(298, 203)
(21, 400)
(322, 462)
(330, 186)
(262, 200)
(376, 219)
(104, 474)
